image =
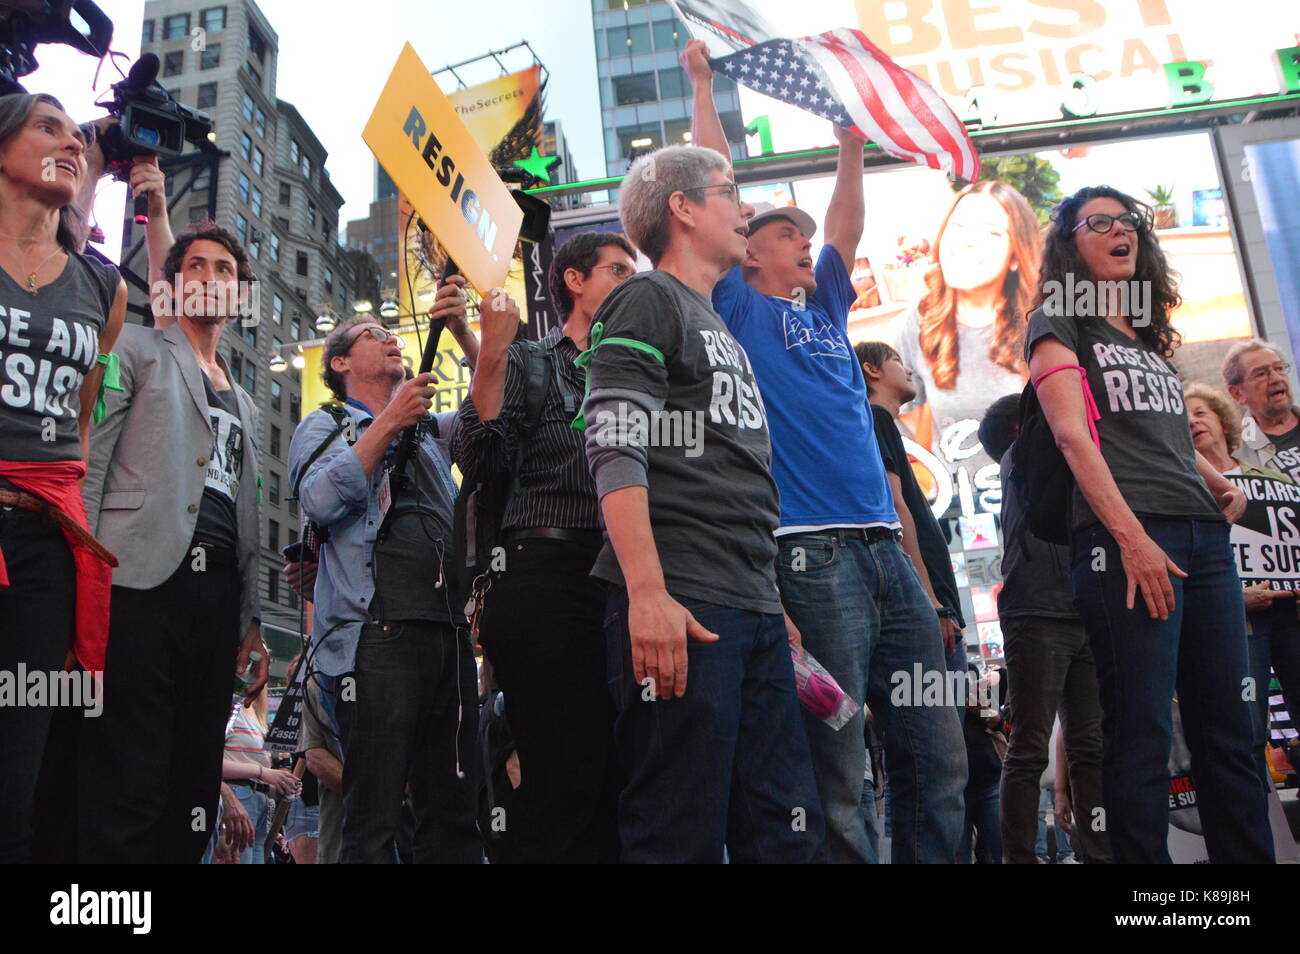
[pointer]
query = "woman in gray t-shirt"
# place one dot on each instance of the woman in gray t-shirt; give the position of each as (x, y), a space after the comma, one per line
(1147, 517)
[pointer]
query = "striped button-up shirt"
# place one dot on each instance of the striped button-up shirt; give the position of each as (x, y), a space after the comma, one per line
(555, 485)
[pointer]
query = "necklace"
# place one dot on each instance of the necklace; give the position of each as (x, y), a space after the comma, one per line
(31, 276)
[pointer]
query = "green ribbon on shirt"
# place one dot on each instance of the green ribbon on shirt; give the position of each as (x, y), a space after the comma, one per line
(112, 379)
(583, 362)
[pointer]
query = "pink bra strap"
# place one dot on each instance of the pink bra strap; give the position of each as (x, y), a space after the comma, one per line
(1094, 415)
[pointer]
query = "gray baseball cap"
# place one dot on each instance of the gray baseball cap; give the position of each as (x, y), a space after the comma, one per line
(765, 212)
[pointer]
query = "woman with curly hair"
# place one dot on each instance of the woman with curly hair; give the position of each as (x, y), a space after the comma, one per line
(1148, 515)
(963, 339)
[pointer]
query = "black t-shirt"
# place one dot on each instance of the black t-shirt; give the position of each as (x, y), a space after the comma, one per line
(217, 521)
(1286, 457)
(929, 535)
(414, 542)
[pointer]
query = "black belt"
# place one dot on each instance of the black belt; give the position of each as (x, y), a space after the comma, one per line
(255, 786)
(567, 534)
(843, 534)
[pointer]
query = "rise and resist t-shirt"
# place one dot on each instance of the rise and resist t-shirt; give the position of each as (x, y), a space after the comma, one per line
(1145, 438)
(824, 454)
(48, 343)
(217, 520)
(1286, 457)
(713, 504)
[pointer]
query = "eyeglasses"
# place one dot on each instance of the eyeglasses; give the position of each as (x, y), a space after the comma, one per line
(730, 189)
(617, 269)
(1102, 223)
(379, 334)
(1262, 374)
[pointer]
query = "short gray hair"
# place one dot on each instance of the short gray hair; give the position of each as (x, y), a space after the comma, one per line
(643, 197)
(1232, 360)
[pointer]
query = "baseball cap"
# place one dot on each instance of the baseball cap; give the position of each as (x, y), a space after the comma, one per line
(765, 212)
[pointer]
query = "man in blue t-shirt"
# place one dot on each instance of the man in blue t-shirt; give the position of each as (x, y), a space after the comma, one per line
(848, 588)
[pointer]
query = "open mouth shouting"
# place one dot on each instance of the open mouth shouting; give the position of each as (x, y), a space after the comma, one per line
(67, 165)
(1121, 250)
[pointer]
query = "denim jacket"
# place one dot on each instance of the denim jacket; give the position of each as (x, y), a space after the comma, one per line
(336, 494)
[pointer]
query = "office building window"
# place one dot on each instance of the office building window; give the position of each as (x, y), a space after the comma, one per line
(637, 88)
(295, 414)
(274, 488)
(202, 178)
(275, 441)
(329, 280)
(307, 167)
(622, 40)
(275, 247)
(673, 83)
(255, 244)
(241, 228)
(311, 214)
(174, 63)
(295, 329)
(248, 107)
(273, 534)
(301, 265)
(259, 160)
(273, 583)
(295, 151)
(254, 75)
(243, 187)
(146, 32)
(236, 366)
(641, 138)
(250, 335)
(256, 45)
(213, 19)
(275, 394)
(198, 213)
(260, 122)
(210, 58)
(286, 193)
(250, 376)
(669, 35)
(277, 303)
(207, 95)
(176, 26)
(677, 132)
(256, 202)
(245, 146)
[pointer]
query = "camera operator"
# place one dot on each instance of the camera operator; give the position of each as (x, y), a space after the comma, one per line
(59, 309)
(173, 489)
(389, 648)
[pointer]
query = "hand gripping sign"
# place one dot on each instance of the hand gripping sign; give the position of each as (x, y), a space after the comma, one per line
(432, 158)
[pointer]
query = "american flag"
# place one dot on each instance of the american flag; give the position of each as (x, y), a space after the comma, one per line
(844, 77)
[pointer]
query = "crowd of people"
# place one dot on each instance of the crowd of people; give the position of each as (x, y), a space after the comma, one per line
(639, 603)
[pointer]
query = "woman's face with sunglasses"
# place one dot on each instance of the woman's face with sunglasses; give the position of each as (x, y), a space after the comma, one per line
(1106, 236)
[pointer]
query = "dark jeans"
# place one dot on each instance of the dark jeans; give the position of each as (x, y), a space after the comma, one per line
(728, 762)
(1275, 643)
(408, 719)
(36, 630)
(1050, 670)
(150, 766)
(863, 615)
(1199, 652)
(542, 630)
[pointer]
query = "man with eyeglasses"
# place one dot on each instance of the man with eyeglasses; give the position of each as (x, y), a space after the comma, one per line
(389, 646)
(1258, 377)
(846, 582)
(542, 620)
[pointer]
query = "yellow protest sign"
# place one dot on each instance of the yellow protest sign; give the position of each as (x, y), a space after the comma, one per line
(433, 159)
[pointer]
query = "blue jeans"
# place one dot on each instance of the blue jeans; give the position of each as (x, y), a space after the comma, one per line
(727, 763)
(869, 818)
(1064, 842)
(982, 816)
(1199, 653)
(1275, 645)
(258, 806)
(864, 616)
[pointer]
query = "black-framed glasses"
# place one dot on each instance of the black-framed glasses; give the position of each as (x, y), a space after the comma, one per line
(730, 189)
(617, 269)
(379, 334)
(1101, 223)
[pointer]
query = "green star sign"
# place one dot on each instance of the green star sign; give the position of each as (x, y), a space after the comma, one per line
(537, 165)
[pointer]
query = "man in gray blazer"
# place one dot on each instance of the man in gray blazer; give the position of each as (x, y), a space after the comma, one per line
(172, 490)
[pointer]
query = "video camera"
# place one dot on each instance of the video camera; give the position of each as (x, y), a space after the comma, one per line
(25, 24)
(150, 120)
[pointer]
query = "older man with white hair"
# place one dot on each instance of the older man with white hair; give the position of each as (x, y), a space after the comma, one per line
(708, 727)
(1257, 377)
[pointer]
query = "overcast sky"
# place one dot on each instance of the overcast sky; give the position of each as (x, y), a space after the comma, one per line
(336, 55)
